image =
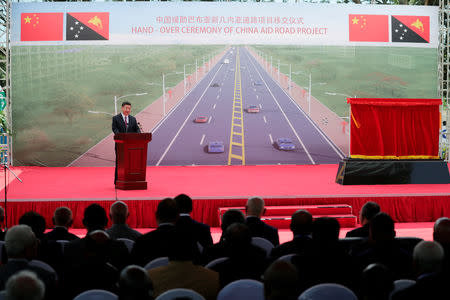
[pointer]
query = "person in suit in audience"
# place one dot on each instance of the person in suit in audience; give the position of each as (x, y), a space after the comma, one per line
(119, 214)
(382, 248)
(301, 227)
(325, 261)
(62, 219)
(21, 246)
(254, 210)
(441, 234)
(218, 250)
(246, 261)
(200, 232)
(280, 281)
(157, 243)
(25, 285)
(428, 258)
(135, 284)
(377, 283)
(368, 211)
(100, 245)
(181, 272)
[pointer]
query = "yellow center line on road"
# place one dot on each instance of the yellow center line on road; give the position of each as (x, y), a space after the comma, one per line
(237, 146)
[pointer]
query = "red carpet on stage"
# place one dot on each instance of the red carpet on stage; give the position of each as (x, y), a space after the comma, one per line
(44, 189)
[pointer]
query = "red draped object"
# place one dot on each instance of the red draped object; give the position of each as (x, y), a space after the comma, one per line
(394, 128)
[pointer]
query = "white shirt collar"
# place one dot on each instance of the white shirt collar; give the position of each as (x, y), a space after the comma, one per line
(123, 116)
(185, 215)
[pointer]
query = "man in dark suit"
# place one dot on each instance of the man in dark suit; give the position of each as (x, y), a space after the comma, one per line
(159, 242)
(200, 232)
(254, 210)
(21, 246)
(301, 227)
(368, 211)
(124, 123)
(119, 214)
(62, 219)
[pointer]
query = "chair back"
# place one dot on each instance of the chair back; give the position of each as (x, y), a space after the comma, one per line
(264, 244)
(328, 291)
(180, 294)
(242, 290)
(215, 262)
(157, 262)
(96, 295)
(129, 243)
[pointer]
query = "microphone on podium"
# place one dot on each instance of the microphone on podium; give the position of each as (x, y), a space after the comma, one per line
(140, 127)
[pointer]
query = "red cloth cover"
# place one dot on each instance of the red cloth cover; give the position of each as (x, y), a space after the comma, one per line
(394, 128)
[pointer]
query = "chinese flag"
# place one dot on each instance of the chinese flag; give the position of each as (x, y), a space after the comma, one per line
(368, 28)
(41, 27)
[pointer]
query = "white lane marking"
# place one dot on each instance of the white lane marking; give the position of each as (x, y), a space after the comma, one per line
(257, 97)
(203, 138)
(265, 120)
(271, 139)
(254, 90)
(214, 106)
(332, 145)
(187, 118)
(284, 114)
(220, 90)
(209, 120)
(260, 106)
(217, 97)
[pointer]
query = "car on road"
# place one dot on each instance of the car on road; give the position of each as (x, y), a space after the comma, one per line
(215, 84)
(201, 119)
(253, 109)
(216, 147)
(258, 83)
(285, 144)
(226, 61)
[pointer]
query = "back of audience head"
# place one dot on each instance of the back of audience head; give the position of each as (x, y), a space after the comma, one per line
(428, 257)
(119, 212)
(35, 221)
(382, 228)
(184, 203)
(135, 284)
(301, 223)
(238, 237)
(281, 281)
(95, 218)
(63, 217)
(255, 207)
(368, 211)
(377, 282)
(231, 216)
(24, 285)
(441, 231)
(167, 211)
(21, 242)
(325, 230)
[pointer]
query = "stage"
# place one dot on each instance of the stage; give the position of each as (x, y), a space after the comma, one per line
(45, 188)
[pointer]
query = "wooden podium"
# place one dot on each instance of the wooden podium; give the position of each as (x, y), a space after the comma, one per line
(131, 158)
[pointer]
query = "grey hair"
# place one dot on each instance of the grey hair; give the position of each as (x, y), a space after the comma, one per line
(18, 239)
(428, 256)
(25, 285)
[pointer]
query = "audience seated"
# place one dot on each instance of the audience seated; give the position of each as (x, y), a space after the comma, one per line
(119, 215)
(25, 285)
(199, 231)
(441, 234)
(254, 210)
(159, 242)
(368, 211)
(325, 261)
(62, 219)
(135, 284)
(281, 281)
(218, 250)
(377, 283)
(301, 226)
(246, 261)
(381, 248)
(21, 246)
(182, 273)
(428, 258)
